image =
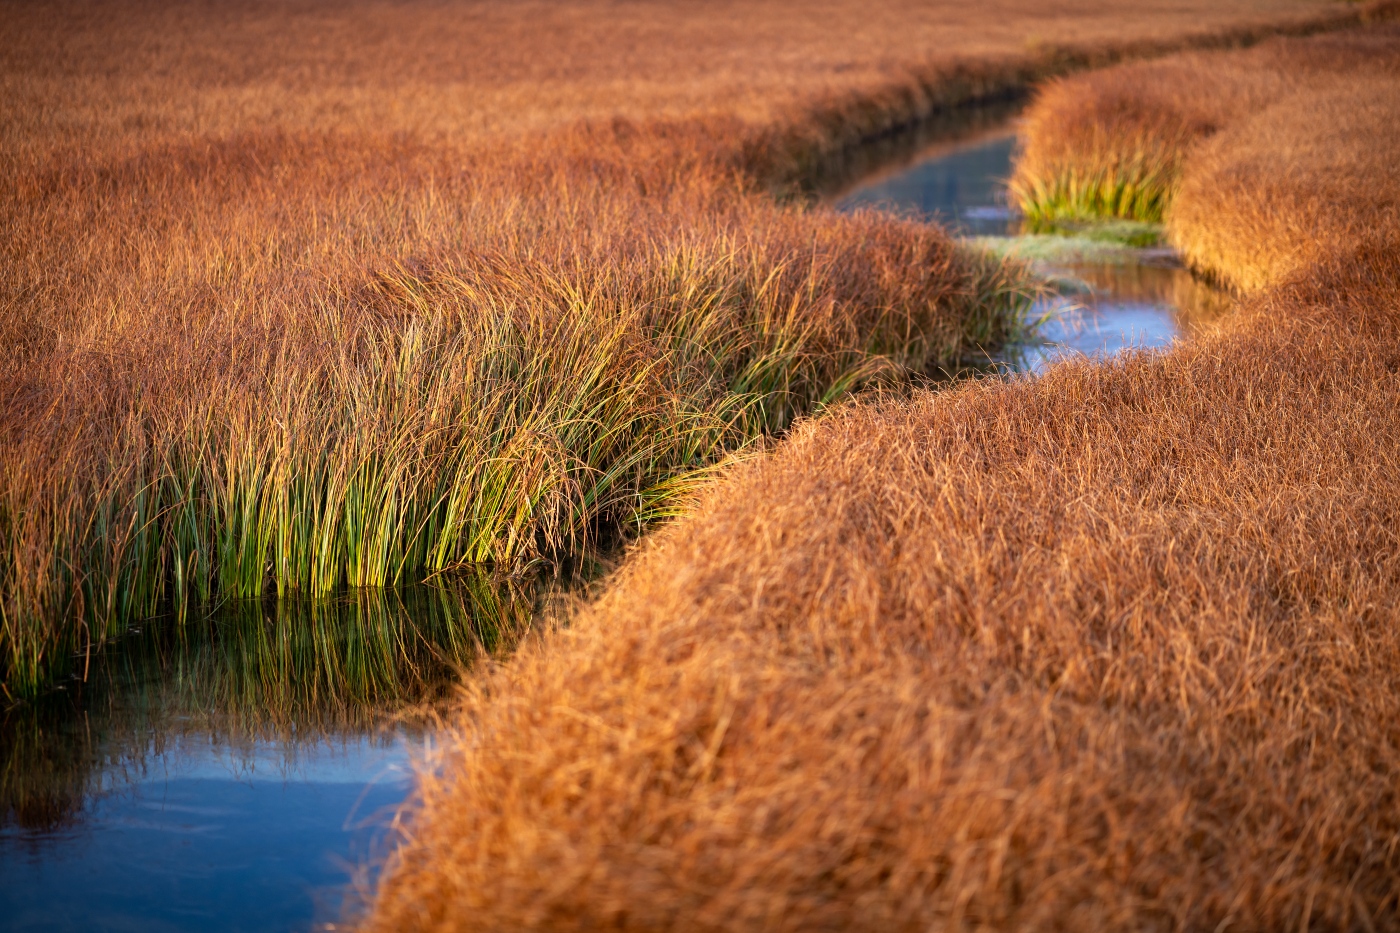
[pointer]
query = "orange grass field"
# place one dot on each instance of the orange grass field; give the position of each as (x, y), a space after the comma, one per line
(303, 295)
(1114, 648)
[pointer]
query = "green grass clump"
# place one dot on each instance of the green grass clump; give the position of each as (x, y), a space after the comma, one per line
(1132, 234)
(1136, 189)
(503, 411)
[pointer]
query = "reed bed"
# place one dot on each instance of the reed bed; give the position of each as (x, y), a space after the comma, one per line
(318, 295)
(1113, 648)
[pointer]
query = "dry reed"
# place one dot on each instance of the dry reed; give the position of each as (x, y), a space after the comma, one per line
(1109, 649)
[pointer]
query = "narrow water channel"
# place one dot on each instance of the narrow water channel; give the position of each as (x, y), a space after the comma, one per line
(1109, 297)
(231, 773)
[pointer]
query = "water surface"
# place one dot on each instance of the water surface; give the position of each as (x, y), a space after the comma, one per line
(232, 772)
(961, 184)
(1133, 299)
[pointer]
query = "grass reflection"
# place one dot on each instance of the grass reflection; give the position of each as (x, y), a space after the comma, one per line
(293, 672)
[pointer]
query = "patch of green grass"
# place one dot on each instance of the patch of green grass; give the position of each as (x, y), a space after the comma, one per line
(1136, 187)
(1096, 246)
(509, 420)
(1138, 234)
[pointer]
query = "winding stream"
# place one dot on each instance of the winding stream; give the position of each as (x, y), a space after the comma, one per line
(233, 773)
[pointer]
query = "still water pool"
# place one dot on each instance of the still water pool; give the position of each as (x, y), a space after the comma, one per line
(235, 772)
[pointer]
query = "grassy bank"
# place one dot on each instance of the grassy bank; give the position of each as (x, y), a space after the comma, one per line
(504, 406)
(1113, 144)
(1215, 145)
(1113, 648)
(348, 294)
(294, 386)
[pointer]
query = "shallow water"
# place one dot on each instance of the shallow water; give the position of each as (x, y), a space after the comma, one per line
(1141, 299)
(1136, 305)
(961, 184)
(230, 773)
(201, 836)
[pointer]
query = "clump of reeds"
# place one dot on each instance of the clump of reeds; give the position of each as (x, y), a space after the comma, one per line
(508, 403)
(1084, 164)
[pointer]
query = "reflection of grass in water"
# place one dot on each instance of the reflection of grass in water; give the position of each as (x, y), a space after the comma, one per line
(1103, 246)
(299, 672)
(1083, 265)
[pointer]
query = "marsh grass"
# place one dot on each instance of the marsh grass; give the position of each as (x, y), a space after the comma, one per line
(501, 411)
(1110, 146)
(296, 301)
(1110, 649)
(1133, 184)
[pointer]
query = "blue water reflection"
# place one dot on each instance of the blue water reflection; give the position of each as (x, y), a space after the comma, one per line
(233, 772)
(207, 837)
(1141, 298)
(962, 187)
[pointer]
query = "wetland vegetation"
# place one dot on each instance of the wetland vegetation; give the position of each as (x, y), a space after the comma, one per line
(307, 304)
(1113, 648)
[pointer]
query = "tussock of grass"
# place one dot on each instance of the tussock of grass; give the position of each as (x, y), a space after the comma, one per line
(1112, 144)
(1109, 649)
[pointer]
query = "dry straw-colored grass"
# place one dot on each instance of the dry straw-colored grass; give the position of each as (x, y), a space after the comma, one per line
(1114, 648)
(302, 295)
(1299, 182)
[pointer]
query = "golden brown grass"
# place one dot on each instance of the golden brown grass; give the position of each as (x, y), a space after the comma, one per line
(549, 374)
(117, 77)
(1216, 143)
(1294, 184)
(302, 295)
(1110, 649)
(1112, 143)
